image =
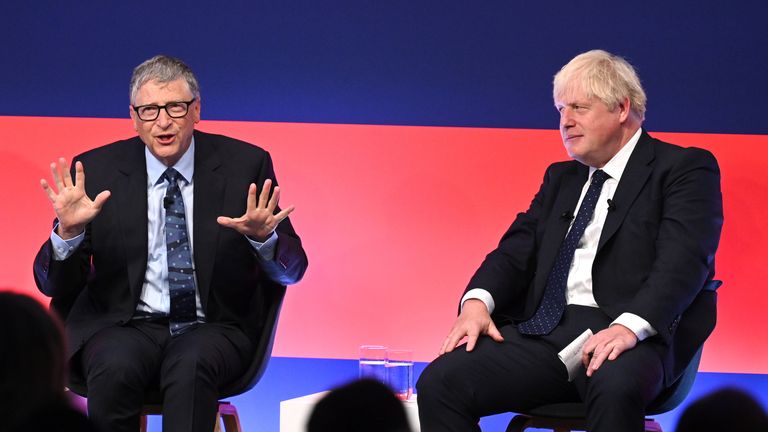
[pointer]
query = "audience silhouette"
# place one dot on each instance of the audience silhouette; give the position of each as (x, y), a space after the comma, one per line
(33, 369)
(360, 406)
(727, 409)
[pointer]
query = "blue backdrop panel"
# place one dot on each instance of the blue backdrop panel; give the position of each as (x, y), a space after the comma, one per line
(431, 62)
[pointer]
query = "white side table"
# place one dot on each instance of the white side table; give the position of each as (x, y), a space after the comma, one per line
(294, 413)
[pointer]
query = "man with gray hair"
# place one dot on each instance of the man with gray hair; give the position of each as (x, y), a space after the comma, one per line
(164, 262)
(619, 241)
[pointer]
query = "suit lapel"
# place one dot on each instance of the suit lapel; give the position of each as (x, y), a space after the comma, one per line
(131, 193)
(633, 178)
(568, 193)
(209, 198)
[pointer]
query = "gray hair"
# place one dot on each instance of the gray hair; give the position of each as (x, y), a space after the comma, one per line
(602, 75)
(163, 69)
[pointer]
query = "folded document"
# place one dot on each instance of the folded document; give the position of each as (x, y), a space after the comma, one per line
(571, 355)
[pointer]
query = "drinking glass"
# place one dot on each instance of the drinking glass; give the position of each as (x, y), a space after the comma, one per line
(373, 359)
(399, 369)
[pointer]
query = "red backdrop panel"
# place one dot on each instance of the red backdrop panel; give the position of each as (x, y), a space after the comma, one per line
(395, 219)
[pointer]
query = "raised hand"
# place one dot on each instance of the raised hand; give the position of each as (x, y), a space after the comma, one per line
(259, 220)
(74, 209)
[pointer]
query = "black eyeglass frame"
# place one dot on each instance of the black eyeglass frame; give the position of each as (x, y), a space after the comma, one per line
(164, 107)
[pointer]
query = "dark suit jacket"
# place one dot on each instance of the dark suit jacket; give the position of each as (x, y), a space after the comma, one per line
(100, 284)
(656, 251)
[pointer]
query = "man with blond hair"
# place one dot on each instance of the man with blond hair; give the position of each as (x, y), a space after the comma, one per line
(621, 241)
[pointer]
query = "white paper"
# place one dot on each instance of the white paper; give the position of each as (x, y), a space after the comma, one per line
(571, 355)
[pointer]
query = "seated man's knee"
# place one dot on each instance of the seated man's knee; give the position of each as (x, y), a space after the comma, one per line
(438, 378)
(114, 373)
(192, 365)
(615, 385)
(429, 379)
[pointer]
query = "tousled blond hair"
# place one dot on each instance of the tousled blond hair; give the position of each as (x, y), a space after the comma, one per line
(602, 75)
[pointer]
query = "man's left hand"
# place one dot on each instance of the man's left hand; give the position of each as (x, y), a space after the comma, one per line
(606, 344)
(259, 220)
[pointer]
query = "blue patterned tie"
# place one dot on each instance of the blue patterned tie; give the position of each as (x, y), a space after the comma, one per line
(181, 278)
(551, 309)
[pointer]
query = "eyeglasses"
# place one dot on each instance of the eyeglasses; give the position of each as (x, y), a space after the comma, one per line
(173, 109)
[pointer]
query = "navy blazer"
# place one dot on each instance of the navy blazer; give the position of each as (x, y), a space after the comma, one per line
(100, 284)
(655, 255)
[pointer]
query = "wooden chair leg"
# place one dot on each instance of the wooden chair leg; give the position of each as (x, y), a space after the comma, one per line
(229, 416)
(652, 425)
(217, 425)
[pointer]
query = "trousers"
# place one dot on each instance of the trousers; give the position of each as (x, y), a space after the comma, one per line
(522, 372)
(121, 363)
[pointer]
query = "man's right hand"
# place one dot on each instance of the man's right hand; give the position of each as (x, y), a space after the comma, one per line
(73, 208)
(473, 321)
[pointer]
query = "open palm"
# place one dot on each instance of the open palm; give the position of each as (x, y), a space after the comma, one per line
(259, 220)
(73, 208)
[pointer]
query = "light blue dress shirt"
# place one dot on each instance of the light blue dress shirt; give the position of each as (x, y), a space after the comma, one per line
(155, 298)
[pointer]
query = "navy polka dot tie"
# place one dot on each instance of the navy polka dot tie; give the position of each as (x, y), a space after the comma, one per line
(181, 278)
(551, 308)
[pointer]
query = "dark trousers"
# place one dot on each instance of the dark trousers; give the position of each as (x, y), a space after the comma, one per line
(522, 372)
(120, 363)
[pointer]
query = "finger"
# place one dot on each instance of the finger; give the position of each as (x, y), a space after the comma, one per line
(494, 333)
(273, 200)
(591, 346)
(264, 196)
(447, 346)
(57, 180)
(452, 340)
(597, 361)
(615, 352)
(444, 348)
(226, 221)
(101, 198)
(65, 174)
(79, 175)
(472, 340)
(586, 354)
(48, 191)
(250, 203)
(283, 214)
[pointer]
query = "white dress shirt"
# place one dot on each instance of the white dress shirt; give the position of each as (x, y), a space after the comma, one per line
(579, 289)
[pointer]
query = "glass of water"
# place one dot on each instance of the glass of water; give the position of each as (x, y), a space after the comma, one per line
(399, 367)
(373, 360)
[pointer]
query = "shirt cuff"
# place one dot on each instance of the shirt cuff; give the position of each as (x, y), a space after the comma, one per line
(640, 327)
(63, 249)
(479, 294)
(266, 249)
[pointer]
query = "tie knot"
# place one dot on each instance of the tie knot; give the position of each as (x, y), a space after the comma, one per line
(599, 177)
(172, 175)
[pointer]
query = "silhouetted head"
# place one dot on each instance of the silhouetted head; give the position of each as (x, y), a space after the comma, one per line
(32, 356)
(728, 409)
(364, 405)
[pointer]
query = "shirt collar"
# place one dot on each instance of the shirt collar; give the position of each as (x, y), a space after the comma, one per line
(185, 166)
(615, 166)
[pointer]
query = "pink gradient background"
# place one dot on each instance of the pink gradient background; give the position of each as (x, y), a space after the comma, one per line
(396, 218)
